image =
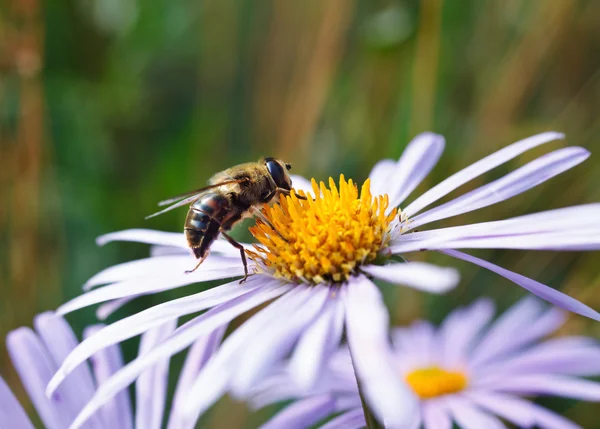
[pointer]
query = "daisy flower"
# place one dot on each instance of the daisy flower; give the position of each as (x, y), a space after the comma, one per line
(37, 354)
(314, 265)
(467, 372)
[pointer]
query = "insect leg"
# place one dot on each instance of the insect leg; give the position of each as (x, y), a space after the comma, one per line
(197, 265)
(286, 192)
(242, 253)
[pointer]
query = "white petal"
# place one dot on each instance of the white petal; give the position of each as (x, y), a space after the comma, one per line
(215, 377)
(478, 168)
(302, 414)
(316, 345)
(148, 319)
(380, 174)
(417, 160)
(419, 275)
(301, 183)
(12, 414)
(367, 323)
(545, 292)
(180, 339)
(116, 412)
(200, 352)
(151, 385)
(148, 236)
(145, 286)
(514, 183)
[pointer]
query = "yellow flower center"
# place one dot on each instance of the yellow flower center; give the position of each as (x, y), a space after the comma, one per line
(433, 381)
(324, 239)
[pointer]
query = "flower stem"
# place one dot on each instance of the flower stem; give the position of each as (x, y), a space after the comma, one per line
(371, 421)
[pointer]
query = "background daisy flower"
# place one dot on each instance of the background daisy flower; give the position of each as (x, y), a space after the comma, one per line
(320, 260)
(469, 371)
(37, 354)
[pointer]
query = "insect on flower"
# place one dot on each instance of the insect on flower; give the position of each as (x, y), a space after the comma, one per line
(232, 195)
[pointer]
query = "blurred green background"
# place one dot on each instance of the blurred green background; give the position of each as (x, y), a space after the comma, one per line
(108, 106)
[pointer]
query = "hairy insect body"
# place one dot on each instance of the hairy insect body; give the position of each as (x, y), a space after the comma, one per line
(231, 196)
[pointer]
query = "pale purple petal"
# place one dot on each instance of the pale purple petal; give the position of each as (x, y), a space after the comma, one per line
(367, 323)
(180, 339)
(12, 414)
(547, 419)
(508, 186)
(158, 250)
(468, 416)
(148, 236)
(435, 415)
(547, 293)
(460, 329)
(416, 345)
(302, 414)
(478, 168)
(354, 419)
(59, 340)
(317, 344)
(35, 368)
(417, 160)
(117, 412)
(545, 384)
(158, 265)
(150, 318)
(546, 323)
(215, 377)
(276, 341)
(380, 174)
(419, 275)
(197, 356)
(151, 385)
(509, 407)
(544, 230)
(105, 310)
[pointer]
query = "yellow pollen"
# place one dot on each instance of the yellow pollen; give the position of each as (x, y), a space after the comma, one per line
(325, 239)
(433, 381)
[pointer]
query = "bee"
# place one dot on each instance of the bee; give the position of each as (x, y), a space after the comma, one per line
(232, 195)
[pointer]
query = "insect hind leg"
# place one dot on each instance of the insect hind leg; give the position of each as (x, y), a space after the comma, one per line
(242, 253)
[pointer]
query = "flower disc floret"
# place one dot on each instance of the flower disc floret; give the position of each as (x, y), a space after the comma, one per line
(324, 239)
(432, 382)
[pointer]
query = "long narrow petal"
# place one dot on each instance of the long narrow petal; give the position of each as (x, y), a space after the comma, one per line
(276, 342)
(435, 415)
(417, 160)
(544, 230)
(547, 419)
(35, 367)
(354, 419)
(302, 414)
(557, 385)
(301, 183)
(367, 324)
(545, 292)
(12, 414)
(508, 186)
(148, 319)
(106, 309)
(469, 416)
(215, 377)
(144, 286)
(180, 339)
(59, 340)
(478, 168)
(379, 175)
(196, 358)
(151, 385)
(117, 412)
(157, 265)
(315, 346)
(419, 275)
(509, 407)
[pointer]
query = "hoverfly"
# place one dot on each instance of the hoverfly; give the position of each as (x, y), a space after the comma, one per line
(232, 195)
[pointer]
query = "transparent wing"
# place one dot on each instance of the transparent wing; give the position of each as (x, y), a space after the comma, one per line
(189, 197)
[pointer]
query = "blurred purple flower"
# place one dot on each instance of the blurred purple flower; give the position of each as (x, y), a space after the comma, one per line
(313, 304)
(468, 371)
(37, 354)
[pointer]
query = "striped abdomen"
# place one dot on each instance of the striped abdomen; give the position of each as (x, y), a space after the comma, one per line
(203, 222)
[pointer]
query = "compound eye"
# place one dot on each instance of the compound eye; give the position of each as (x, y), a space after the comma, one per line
(278, 174)
(288, 166)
